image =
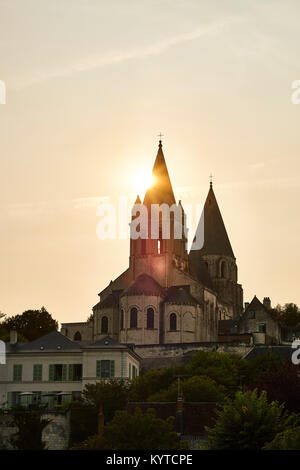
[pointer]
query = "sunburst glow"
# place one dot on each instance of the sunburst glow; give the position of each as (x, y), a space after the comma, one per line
(142, 181)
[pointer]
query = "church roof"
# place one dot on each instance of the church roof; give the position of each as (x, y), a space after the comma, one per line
(180, 295)
(216, 241)
(111, 300)
(144, 285)
(161, 190)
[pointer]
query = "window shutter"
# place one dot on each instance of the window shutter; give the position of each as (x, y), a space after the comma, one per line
(51, 372)
(71, 371)
(17, 377)
(98, 369)
(37, 372)
(64, 372)
(112, 368)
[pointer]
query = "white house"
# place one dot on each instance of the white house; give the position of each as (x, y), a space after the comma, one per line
(53, 369)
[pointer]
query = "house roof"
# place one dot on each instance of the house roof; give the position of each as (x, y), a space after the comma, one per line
(105, 343)
(53, 341)
(283, 351)
(227, 326)
(255, 305)
(145, 285)
(180, 295)
(57, 342)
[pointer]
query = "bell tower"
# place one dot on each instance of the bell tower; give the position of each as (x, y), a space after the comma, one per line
(162, 242)
(218, 255)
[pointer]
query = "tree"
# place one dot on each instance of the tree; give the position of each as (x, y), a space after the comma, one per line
(112, 395)
(197, 388)
(140, 431)
(248, 422)
(289, 315)
(282, 384)
(151, 382)
(261, 365)
(30, 426)
(286, 440)
(31, 324)
(224, 369)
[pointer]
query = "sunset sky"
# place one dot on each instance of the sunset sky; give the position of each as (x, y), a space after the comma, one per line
(91, 84)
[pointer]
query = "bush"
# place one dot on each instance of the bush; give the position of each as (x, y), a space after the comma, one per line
(286, 440)
(197, 388)
(248, 422)
(112, 395)
(282, 385)
(30, 426)
(140, 431)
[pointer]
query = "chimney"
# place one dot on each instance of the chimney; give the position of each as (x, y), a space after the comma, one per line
(13, 337)
(246, 305)
(267, 303)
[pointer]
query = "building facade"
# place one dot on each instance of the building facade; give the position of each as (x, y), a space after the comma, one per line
(168, 295)
(53, 369)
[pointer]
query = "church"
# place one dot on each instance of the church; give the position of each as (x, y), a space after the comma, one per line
(168, 295)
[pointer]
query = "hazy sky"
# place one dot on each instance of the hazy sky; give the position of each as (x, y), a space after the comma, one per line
(90, 84)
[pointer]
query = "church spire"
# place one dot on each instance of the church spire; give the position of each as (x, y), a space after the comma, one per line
(216, 240)
(161, 189)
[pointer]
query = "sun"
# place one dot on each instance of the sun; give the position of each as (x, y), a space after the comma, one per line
(142, 181)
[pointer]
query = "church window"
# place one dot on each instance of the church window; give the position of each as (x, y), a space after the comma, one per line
(77, 336)
(150, 318)
(158, 246)
(133, 318)
(143, 246)
(122, 320)
(223, 270)
(173, 322)
(104, 325)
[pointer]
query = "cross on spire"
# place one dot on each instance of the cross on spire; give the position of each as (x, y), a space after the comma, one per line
(211, 180)
(160, 135)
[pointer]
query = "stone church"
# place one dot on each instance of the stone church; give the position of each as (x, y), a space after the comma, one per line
(168, 295)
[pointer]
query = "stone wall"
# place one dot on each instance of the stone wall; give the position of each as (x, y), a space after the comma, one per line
(56, 434)
(174, 350)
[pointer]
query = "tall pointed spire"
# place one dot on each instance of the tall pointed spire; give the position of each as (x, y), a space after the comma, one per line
(216, 240)
(161, 190)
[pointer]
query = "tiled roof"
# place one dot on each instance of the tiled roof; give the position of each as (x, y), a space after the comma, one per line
(53, 341)
(283, 351)
(180, 295)
(106, 343)
(145, 284)
(111, 300)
